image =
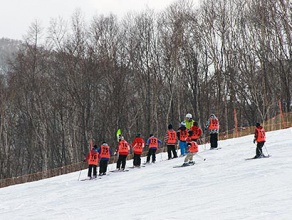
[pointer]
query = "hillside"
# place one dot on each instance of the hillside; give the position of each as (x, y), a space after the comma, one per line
(225, 186)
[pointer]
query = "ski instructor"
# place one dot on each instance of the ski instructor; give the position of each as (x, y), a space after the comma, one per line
(213, 126)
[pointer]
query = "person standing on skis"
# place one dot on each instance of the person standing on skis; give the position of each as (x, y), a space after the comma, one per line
(182, 134)
(213, 126)
(260, 138)
(153, 144)
(192, 149)
(137, 145)
(92, 159)
(171, 141)
(104, 156)
(123, 151)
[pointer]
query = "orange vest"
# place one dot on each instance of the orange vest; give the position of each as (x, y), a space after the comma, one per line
(93, 158)
(194, 148)
(183, 134)
(123, 147)
(196, 132)
(214, 124)
(261, 134)
(171, 137)
(104, 151)
(153, 142)
(138, 145)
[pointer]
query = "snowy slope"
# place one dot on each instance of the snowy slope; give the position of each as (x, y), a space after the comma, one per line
(225, 186)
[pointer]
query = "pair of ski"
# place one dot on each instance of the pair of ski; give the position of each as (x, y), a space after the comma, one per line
(255, 158)
(190, 164)
(137, 167)
(98, 177)
(119, 171)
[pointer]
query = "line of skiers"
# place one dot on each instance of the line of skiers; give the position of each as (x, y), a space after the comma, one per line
(187, 134)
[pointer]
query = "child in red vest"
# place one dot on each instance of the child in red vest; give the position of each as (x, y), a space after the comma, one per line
(123, 151)
(192, 149)
(92, 158)
(260, 138)
(137, 145)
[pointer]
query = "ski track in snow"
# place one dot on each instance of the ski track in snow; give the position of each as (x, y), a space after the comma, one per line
(225, 186)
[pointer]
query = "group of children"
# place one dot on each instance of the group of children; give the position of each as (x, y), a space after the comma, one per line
(187, 134)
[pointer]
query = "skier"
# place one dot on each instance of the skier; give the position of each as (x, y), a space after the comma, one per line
(123, 151)
(153, 144)
(195, 132)
(189, 120)
(137, 145)
(260, 138)
(182, 135)
(213, 126)
(171, 141)
(92, 158)
(192, 149)
(104, 156)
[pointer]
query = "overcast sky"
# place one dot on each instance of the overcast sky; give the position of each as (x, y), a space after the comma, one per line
(17, 15)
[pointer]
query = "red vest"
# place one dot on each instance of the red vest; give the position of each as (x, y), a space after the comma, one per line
(153, 142)
(123, 147)
(260, 134)
(183, 134)
(104, 151)
(93, 158)
(138, 145)
(194, 148)
(214, 124)
(196, 132)
(171, 137)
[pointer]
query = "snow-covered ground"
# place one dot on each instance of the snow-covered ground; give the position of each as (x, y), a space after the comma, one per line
(225, 186)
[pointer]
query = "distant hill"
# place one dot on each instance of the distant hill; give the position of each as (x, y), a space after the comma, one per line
(8, 49)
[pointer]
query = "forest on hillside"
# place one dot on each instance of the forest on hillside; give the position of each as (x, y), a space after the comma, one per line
(75, 81)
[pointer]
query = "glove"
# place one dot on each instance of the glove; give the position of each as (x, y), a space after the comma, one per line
(254, 141)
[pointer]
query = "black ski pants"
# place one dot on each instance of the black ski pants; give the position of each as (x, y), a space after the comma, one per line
(103, 166)
(151, 152)
(137, 159)
(90, 169)
(121, 160)
(171, 149)
(259, 149)
(214, 140)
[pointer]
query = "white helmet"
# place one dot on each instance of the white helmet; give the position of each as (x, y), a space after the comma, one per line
(189, 115)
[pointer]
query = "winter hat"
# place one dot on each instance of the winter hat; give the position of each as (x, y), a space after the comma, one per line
(138, 135)
(183, 124)
(170, 126)
(150, 135)
(258, 124)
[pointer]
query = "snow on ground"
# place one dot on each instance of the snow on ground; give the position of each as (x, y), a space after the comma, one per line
(225, 186)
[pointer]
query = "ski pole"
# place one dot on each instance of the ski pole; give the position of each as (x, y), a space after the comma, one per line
(200, 157)
(205, 141)
(267, 150)
(79, 172)
(79, 175)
